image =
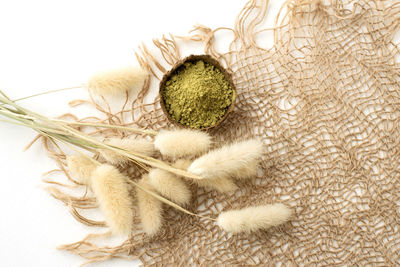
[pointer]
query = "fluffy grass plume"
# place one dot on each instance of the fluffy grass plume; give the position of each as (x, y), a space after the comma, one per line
(254, 218)
(150, 208)
(182, 143)
(141, 146)
(112, 194)
(250, 171)
(81, 168)
(170, 186)
(182, 164)
(236, 160)
(117, 81)
(222, 185)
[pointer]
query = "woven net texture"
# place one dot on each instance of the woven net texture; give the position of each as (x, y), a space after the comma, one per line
(325, 100)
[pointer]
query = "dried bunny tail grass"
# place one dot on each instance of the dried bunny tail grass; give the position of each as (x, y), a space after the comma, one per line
(222, 185)
(115, 81)
(170, 186)
(81, 168)
(113, 196)
(150, 208)
(254, 218)
(249, 171)
(141, 146)
(182, 143)
(182, 164)
(236, 160)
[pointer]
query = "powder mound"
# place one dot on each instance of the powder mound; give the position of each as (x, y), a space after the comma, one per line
(197, 95)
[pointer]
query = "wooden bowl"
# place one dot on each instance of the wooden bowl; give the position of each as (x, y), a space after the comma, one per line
(194, 58)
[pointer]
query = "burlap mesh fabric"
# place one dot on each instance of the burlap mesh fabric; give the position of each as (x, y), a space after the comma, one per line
(325, 99)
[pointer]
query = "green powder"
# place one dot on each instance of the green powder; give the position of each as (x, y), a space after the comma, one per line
(197, 95)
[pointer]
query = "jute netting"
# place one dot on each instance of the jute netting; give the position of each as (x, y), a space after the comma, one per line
(325, 100)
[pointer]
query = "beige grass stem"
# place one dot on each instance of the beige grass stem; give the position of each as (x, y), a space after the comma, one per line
(60, 131)
(101, 125)
(47, 92)
(76, 137)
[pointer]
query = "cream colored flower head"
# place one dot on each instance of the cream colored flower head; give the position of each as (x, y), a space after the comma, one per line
(117, 81)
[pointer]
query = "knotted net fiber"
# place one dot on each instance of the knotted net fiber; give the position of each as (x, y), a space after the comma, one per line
(325, 100)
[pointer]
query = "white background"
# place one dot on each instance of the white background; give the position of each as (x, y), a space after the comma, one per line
(55, 44)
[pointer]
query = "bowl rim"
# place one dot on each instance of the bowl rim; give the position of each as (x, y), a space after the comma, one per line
(193, 58)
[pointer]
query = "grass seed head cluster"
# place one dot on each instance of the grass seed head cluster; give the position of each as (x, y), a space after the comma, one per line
(218, 169)
(117, 81)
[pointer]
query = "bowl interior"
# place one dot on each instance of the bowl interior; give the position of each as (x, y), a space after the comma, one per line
(194, 58)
